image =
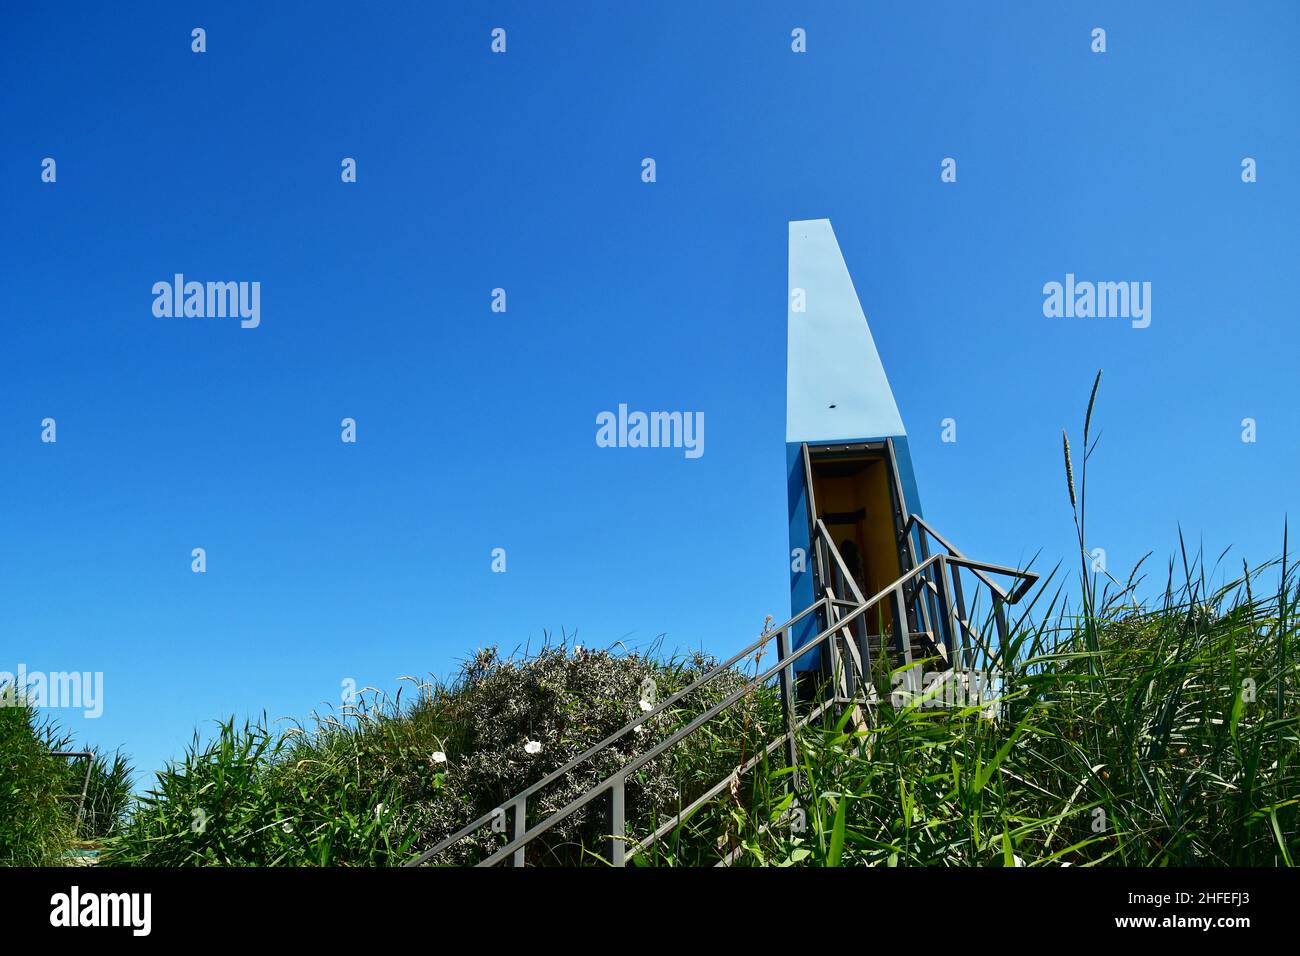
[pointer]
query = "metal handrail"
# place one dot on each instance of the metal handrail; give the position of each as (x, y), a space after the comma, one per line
(617, 735)
(952, 592)
(664, 828)
(615, 780)
(89, 757)
(824, 532)
(614, 784)
(1027, 578)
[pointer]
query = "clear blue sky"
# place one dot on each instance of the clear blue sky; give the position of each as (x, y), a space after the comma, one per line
(476, 430)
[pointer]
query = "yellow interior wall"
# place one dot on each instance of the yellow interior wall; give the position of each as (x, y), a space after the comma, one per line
(882, 545)
(874, 535)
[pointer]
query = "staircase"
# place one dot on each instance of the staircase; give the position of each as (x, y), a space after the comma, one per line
(930, 640)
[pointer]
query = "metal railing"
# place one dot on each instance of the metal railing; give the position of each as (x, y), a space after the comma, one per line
(89, 757)
(931, 598)
(518, 803)
(930, 593)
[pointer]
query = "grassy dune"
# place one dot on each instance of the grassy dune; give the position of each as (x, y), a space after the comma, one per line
(1139, 736)
(1126, 733)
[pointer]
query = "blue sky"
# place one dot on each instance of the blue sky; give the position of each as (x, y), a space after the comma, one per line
(329, 561)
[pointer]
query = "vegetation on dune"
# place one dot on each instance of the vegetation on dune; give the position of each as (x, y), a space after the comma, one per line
(1139, 738)
(1123, 734)
(34, 829)
(40, 792)
(383, 780)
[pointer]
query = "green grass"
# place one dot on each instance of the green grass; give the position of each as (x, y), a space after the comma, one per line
(367, 786)
(39, 792)
(1127, 733)
(1141, 737)
(34, 828)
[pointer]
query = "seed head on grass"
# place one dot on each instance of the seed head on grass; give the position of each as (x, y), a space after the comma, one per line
(1069, 468)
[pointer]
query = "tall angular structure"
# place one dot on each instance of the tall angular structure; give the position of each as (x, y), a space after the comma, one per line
(860, 597)
(847, 458)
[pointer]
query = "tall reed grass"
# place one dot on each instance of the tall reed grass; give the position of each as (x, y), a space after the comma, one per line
(42, 814)
(1129, 731)
(378, 781)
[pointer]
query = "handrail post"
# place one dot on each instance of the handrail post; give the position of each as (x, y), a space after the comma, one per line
(864, 654)
(945, 610)
(820, 564)
(918, 587)
(851, 674)
(957, 658)
(617, 823)
(963, 620)
(902, 635)
(833, 646)
(922, 598)
(834, 588)
(787, 702)
(520, 828)
(1000, 618)
(819, 569)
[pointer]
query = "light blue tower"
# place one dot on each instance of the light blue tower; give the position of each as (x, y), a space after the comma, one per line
(847, 458)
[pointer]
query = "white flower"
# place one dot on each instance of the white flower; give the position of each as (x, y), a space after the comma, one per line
(646, 706)
(379, 811)
(439, 757)
(638, 729)
(533, 747)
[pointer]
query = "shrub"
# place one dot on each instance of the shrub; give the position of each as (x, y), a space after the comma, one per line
(35, 827)
(367, 786)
